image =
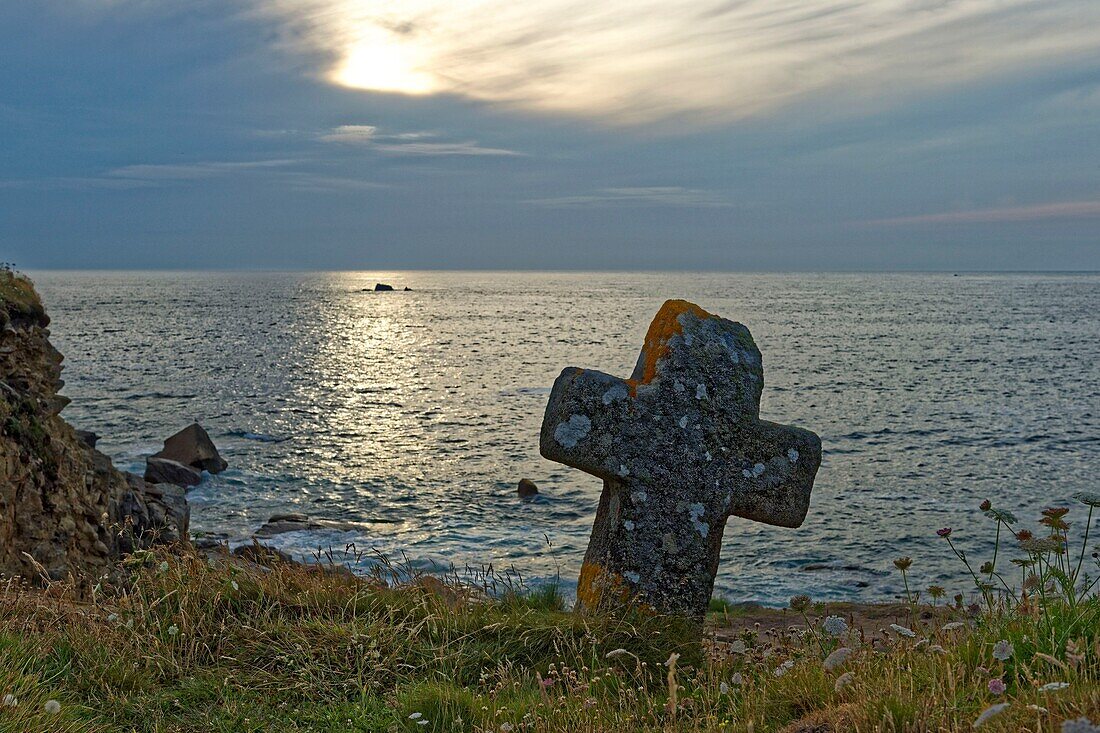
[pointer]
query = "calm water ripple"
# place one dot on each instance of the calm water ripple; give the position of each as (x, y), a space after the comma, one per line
(414, 414)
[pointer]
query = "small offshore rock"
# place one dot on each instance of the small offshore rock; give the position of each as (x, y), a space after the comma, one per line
(166, 471)
(193, 447)
(382, 288)
(87, 437)
(295, 522)
(527, 488)
(408, 289)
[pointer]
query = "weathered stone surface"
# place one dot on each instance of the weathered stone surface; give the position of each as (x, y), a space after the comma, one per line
(527, 488)
(164, 471)
(64, 509)
(680, 447)
(87, 437)
(193, 447)
(296, 522)
(262, 554)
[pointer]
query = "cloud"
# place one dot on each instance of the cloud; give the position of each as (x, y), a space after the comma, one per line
(190, 171)
(408, 143)
(643, 60)
(635, 196)
(1038, 212)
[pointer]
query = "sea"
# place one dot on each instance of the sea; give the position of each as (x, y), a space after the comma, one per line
(410, 416)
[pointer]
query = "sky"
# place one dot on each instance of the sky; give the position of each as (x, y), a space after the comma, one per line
(791, 135)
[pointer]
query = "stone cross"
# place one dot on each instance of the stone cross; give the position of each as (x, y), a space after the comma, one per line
(680, 447)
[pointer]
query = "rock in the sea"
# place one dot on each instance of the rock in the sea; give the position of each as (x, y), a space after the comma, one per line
(680, 447)
(193, 447)
(262, 554)
(383, 288)
(165, 471)
(64, 508)
(87, 437)
(295, 522)
(527, 488)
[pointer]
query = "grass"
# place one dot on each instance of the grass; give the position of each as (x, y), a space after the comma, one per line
(197, 643)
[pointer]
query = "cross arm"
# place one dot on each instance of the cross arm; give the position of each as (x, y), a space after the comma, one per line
(772, 484)
(585, 411)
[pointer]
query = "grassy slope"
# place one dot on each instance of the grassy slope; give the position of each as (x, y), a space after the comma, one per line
(199, 645)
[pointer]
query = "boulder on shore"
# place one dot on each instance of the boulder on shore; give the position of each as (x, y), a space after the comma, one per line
(193, 447)
(527, 488)
(166, 471)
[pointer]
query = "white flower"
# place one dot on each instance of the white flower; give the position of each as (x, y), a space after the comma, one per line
(989, 712)
(1080, 725)
(416, 716)
(835, 626)
(1002, 650)
(9, 701)
(953, 626)
(737, 679)
(784, 668)
(233, 583)
(506, 727)
(904, 631)
(937, 649)
(423, 721)
(738, 647)
(173, 630)
(1038, 709)
(837, 658)
(53, 707)
(1053, 686)
(112, 618)
(723, 688)
(163, 567)
(842, 681)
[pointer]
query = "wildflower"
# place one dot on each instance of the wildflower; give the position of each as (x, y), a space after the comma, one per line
(1080, 725)
(837, 658)
(234, 585)
(903, 563)
(842, 681)
(589, 703)
(835, 626)
(9, 701)
(737, 679)
(1024, 535)
(416, 716)
(1002, 650)
(1002, 516)
(996, 686)
(953, 626)
(936, 591)
(1038, 545)
(53, 707)
(784, 668)
(1053, 686)
(937, 649)
(902, 631)
(945, 532)
(616, 653)
(1087, 498)
(505, 727)
(1038, 709)
(800, 603)
(1052, 518)
(989, 712)
(163, 567)
(112, 618)
(986, 505)
(723, 688)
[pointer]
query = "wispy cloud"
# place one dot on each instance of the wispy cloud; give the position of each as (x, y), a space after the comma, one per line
(190, 171)
(408, 143)
(635, 196)
(644, 60)
(1037, 212)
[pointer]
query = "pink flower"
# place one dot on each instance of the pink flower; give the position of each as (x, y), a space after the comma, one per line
(997, 686)
(945, 532)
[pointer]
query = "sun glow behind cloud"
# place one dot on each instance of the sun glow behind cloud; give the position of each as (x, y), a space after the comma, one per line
(647, 60)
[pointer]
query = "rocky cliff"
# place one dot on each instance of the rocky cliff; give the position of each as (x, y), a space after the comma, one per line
(64, 508)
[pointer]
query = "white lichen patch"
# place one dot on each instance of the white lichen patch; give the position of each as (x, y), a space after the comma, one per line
(632, 577)
(629, 525)
(684, 422)
(708, 456)
(574, 430)
(701, 391)
(695, 512)
(758, 470)
(623, 471)
(792, 455)
(678, 386)
(617, 392)
(638, 497)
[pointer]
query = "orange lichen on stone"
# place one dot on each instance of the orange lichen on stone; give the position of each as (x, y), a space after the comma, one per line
(597, 585)
(665, 325)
